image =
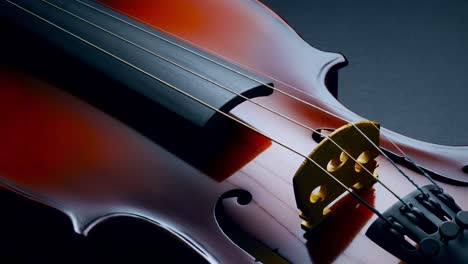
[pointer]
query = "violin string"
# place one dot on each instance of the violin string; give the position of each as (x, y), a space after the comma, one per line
(247, 99)
(274, 88)
(236, 93)
(418, 167)
(346, 188)
(409, 159)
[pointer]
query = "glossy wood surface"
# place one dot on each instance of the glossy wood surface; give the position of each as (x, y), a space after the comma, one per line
(65, 153)
(251, 35)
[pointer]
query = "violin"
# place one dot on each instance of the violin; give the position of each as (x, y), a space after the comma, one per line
(214, 121)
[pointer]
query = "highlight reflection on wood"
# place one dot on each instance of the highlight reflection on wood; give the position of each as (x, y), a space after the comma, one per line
(61, 151)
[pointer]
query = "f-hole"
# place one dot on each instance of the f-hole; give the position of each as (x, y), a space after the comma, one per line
(261, 252)
(318, 134)
(465, 169)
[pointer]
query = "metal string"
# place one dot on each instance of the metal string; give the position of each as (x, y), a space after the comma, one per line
(236, 93)
(284, 93)
(410, 160)
(348, 189)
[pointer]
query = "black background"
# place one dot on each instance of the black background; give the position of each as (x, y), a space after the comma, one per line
(408, 60)
(407, 69)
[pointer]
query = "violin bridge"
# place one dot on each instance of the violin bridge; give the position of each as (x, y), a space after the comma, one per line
(315, 190)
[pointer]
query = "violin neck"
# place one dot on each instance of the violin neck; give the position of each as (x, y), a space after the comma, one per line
(182, 79)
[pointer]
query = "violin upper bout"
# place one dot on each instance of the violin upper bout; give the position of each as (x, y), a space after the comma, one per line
(244, 32)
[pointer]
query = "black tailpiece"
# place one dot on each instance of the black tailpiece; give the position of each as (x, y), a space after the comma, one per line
(432, 229)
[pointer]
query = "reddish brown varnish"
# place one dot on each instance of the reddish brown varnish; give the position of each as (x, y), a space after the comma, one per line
(251, 35)
(60, 151)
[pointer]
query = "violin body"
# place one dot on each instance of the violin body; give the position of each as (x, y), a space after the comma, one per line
(80, 150)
